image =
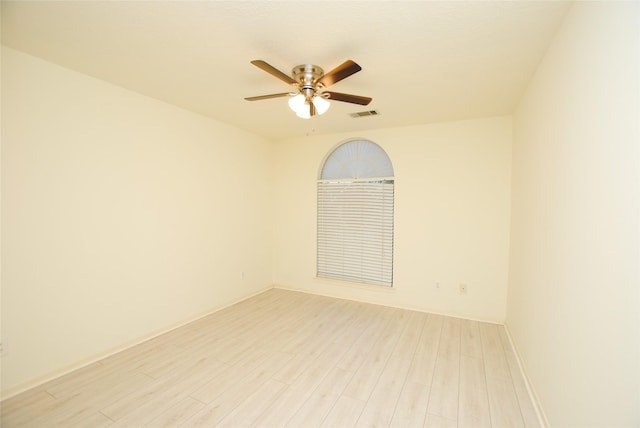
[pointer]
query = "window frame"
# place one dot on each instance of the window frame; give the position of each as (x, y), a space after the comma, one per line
(355, 235)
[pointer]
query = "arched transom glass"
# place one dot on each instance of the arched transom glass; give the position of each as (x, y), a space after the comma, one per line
(357, 159)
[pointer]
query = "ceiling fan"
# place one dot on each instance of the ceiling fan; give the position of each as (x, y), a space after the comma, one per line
(310, 82)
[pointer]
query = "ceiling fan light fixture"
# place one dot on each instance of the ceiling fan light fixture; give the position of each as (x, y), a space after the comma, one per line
(310, 83)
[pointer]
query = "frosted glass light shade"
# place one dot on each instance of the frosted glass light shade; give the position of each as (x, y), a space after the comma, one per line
(321, 104)
(296, 103)
(304, 112)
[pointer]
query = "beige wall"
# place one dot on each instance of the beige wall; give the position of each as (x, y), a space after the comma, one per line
(121, 216)
(574, 286)
(452, 197)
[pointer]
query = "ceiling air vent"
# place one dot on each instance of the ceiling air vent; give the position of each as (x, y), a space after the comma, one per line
(364, 113)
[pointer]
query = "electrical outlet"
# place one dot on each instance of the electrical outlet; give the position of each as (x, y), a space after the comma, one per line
(437, 285)
(463, 288)
(4, 346)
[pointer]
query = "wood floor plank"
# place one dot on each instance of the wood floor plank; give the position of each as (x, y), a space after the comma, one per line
(216, 386)
(335, 382)
(367, 376)
(225, 402)
(411, 408)
(367, 339)
(473, 406)
(93, 420)
(444, 395)
(283, 408)
(66, 386)
(435, 421)
(284, 358)
(313, 412)
(450, 346)
(496, 365)
(22, 407)
(505, 410)
(345, 413)
(315, 373)
(140, 407)
(176, 414)
(470, 341)
(248, 411)
(381, 404)
(423, 364)
(71, 410)
(358, 319)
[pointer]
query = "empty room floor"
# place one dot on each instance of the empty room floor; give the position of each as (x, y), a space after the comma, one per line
(285, 358)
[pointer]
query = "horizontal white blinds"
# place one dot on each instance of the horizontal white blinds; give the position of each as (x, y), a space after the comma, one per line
(355, 231)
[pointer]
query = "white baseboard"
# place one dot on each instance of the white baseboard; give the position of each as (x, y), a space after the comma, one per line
(542, 418)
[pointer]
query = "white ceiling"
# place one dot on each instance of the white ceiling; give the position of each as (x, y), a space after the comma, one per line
(422, 61)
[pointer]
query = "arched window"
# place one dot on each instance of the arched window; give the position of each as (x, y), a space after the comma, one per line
(355, 214)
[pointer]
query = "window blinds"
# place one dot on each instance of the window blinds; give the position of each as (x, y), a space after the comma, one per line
(355, 230)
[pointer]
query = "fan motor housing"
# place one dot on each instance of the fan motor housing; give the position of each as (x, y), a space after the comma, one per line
(306, 75)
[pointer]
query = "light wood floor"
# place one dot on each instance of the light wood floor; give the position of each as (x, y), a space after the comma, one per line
(291, 359)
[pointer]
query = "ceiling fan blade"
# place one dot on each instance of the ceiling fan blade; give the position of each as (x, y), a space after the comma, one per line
(266, 97)
(273, 71)
(348, 98)
(342, 71)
